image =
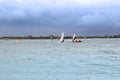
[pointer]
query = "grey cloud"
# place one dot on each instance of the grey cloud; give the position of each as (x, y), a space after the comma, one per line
(16, 17)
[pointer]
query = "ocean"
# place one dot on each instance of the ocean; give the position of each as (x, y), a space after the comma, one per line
(92, 59)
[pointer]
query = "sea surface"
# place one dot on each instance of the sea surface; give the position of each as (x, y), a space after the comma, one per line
(92, 59)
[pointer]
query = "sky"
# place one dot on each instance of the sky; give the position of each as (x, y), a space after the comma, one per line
(52, 17)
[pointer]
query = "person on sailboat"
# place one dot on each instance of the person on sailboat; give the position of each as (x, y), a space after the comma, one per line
(74, 39)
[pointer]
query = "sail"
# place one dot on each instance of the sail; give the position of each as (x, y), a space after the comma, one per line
(73, 37)
(62, 37)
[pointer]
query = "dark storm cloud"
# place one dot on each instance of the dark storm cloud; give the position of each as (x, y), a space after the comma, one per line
(17, 17)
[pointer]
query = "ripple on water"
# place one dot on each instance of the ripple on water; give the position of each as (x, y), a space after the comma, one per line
(94, 59)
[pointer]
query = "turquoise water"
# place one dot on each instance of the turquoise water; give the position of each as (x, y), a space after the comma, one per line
(93, 59)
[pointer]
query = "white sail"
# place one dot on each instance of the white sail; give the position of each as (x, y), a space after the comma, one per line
(62, 37)
(73, 37)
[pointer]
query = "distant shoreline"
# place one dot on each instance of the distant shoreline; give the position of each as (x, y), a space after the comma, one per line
(57, 37)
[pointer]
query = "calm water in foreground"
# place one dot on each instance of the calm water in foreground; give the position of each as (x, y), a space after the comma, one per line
(93, 59)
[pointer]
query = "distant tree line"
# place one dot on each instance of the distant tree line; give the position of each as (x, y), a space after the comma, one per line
(56, 37)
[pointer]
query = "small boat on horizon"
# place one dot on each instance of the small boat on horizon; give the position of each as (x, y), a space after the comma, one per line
(16, 41)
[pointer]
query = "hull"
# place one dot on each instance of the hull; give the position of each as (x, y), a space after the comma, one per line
(76, 40)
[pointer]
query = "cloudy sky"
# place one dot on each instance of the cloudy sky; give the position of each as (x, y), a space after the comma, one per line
(45, 17)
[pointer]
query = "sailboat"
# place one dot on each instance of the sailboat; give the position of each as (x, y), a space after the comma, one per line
(62, 37)
(74, 39)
